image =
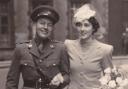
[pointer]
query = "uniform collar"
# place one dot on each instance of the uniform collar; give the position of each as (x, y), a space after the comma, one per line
(34, 48)
(48, 48)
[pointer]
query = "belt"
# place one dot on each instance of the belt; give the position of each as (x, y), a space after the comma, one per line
(36, 85)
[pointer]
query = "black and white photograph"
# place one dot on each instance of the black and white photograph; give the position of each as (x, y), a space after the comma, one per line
(63, 44)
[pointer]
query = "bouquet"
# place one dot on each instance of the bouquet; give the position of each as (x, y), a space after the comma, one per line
(113, 78)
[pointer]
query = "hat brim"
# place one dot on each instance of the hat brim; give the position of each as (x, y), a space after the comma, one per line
(40, 12)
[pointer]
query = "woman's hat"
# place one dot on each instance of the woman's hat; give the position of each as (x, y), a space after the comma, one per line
(44, 11)
(84, 12)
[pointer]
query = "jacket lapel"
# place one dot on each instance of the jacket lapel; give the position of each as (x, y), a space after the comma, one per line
(34, 49)
(48, 49)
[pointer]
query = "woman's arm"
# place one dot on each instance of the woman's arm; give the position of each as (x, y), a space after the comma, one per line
(65, 67)
(107, 58)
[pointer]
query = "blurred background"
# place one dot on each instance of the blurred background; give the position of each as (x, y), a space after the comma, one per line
(15, 26)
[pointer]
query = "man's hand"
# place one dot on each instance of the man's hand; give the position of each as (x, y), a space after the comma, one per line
(57, 80)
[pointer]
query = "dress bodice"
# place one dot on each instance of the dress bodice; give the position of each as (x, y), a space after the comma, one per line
(87, 62)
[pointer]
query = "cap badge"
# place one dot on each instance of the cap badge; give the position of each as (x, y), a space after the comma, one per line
(44, 13)
(52, 46)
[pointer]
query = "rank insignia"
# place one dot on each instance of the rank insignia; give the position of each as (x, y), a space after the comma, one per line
(52, 46)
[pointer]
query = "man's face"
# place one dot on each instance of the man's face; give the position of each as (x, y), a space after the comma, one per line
(44, 28)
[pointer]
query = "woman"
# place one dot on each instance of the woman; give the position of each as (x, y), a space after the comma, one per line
(88, 57)
(42, 62)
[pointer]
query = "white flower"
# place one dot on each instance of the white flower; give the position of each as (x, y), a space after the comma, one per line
(60, 77)
(119, 80)
(84, 12)
(108, 77)
(107, 70)
(113, 79)
(103, 80)
(112, 84)
(114, 70)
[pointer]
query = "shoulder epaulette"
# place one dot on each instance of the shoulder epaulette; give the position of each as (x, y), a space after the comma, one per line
(28, 43)
(56, 41)
(22, 42)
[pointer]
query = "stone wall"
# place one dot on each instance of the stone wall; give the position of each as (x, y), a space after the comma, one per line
(21, 19)
(60, 32)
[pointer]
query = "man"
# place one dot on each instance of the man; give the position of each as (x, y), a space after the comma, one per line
(42, 62)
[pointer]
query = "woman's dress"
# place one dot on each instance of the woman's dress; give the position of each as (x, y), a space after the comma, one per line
(87, 63)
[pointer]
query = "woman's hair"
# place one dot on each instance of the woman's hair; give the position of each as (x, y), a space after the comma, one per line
(94, 23)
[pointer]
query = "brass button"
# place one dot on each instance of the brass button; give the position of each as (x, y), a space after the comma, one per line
(40, 61)
(25, 64)
(40, 69)
(54, 64)
(52, 46)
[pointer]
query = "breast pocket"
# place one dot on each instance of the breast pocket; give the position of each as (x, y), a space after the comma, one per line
(27, 65)
(52, 62)
(52, 67)
(28, 70)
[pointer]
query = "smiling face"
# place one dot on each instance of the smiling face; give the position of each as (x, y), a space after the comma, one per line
(84, 29)
(44, 28)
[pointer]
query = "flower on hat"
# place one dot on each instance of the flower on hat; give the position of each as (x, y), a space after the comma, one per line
(84, 12)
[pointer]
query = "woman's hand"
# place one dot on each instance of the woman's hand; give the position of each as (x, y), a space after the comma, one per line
(57, 80)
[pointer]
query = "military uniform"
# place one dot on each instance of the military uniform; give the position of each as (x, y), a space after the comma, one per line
(38, 66)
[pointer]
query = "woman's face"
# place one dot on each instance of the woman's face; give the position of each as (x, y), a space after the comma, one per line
(44, 28)
(84, 29)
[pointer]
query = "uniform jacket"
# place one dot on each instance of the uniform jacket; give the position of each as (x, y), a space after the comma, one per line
(53, 60)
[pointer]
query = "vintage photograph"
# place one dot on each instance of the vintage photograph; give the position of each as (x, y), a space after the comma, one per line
(63, 44)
